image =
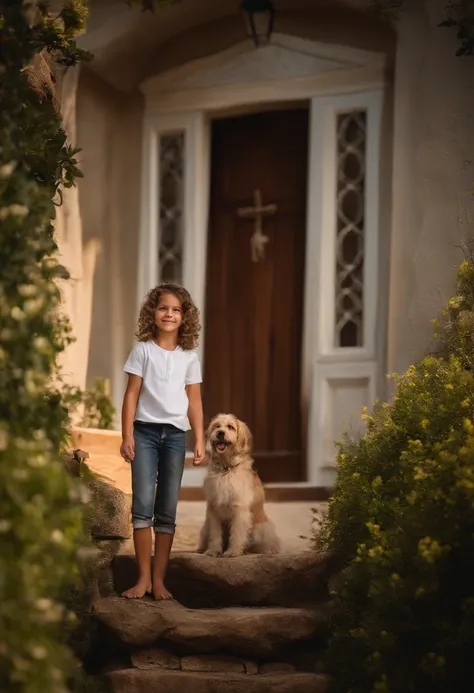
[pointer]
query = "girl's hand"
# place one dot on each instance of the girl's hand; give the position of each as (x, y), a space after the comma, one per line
(199, 452)
(127, 449)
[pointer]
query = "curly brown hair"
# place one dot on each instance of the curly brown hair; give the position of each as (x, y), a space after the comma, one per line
(188, 334)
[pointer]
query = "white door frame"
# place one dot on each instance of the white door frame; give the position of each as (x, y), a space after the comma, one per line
(331, 78)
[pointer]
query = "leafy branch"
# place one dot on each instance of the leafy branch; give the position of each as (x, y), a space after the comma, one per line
(461, 17)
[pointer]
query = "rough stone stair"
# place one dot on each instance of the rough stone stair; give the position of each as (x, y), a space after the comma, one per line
(255, 580)
(253, 624)
(162, 681)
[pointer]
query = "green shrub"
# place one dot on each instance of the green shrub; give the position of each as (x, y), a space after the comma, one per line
(40, 505)
(402, 522)
(94, 405)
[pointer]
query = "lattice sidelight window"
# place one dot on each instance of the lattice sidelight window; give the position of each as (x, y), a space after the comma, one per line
(350, 236)
(171, 197)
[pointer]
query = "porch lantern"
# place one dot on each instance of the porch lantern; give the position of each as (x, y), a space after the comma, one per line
(259, 17)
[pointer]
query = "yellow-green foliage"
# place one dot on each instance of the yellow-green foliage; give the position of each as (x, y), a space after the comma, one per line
(40, 505)
(402, 520)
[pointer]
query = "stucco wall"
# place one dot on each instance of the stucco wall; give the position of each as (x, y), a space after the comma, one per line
(96, 120)
(124, 288)
(433, 149)
(345, 28)
(109, 133)
(433, 153)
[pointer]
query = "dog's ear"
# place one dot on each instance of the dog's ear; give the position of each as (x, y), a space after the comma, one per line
(208, 438)
(244, 438)
(209, 427)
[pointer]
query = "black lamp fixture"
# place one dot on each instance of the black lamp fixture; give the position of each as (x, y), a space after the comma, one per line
(259, 17)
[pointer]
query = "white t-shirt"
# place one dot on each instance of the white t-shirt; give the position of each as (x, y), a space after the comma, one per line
(165, 374)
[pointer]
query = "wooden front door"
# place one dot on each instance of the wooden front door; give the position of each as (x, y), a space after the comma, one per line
(254, 305)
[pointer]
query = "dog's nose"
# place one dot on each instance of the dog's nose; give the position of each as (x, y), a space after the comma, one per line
(220, 435)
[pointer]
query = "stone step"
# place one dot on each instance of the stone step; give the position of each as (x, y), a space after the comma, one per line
(261, 633)
(199, 581)
(141, 681)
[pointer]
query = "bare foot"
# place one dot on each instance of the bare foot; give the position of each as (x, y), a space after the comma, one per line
(160, 592)
(138, 591)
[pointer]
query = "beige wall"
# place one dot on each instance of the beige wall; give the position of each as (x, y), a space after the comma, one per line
(109, 132)
(109, 127)
(433, 171)
(354, 29)
(129, 146)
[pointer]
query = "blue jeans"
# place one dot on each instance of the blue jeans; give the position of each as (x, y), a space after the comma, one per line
(160, 450)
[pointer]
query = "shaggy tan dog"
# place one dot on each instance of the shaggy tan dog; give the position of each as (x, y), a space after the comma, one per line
(235, 516)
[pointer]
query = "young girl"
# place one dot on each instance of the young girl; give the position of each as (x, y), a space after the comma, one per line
(162, 398)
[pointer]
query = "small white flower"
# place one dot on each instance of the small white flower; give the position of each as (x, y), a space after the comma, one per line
(5, 526)
(57, 536)
(30, 382)
(50, 263)
(33, 305)
(14, 210)
(56, 675)
(27, 290)
(40, 343)
(44, 604)
(17, 313)
(54, 614)
(38, 652)
(18, 210)
(7, 169)
(37, 461)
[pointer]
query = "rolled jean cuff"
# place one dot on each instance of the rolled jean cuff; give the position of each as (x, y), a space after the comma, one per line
(164, 529)
(140, 523)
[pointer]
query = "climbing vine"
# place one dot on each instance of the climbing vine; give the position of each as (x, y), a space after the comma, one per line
(459, 15)
(93, 406)
(40, 508)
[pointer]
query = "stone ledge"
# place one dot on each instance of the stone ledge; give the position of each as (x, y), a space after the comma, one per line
(253, 580)
(139, 680)
(244, 631)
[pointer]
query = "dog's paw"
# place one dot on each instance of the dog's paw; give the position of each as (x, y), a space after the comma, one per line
(232, 553)
(213, 553)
